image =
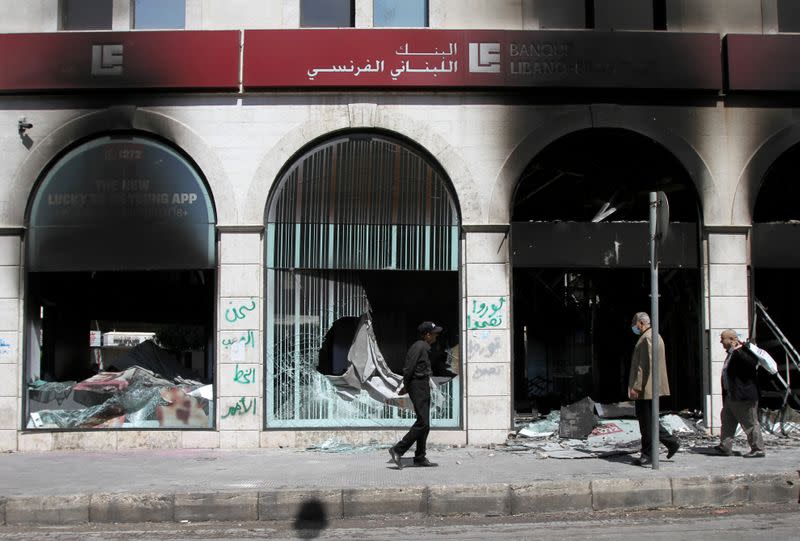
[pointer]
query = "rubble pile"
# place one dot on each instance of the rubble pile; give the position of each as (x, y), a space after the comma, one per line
(615, 431)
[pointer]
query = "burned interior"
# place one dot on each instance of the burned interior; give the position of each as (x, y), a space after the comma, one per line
(362, 245)
(775, 263)
(579, 239)
(120, 290)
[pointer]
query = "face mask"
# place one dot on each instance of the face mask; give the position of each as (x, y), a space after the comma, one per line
(636, 330)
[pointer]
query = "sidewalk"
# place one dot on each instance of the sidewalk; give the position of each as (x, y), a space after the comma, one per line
(265, 484)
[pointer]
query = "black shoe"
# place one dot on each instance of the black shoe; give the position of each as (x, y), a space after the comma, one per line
(754, 454)
(424, 463)
(722, 451)
(643, 460)
(395, 457)
(672, 449)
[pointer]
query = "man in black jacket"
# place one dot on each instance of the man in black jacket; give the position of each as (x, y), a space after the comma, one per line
(739, 397)
(416, 382)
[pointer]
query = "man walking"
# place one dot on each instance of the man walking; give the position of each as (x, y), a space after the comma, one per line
(416, 382)
(739, 397)
(640, 386)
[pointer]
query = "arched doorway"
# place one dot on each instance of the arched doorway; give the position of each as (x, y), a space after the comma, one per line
(775, 265)
(362, 225)
(581, 270)
(119, 312)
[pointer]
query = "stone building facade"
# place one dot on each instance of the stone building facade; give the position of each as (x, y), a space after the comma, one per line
(600, 101)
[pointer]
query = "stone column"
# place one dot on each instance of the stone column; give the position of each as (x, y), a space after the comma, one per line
(239, 372)
(727, 297)
(10, 338)
(487, 348)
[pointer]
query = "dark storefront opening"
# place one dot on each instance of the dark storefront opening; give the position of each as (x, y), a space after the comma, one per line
(395, 318)
(120, 290)
(775, 271)
(581, 270)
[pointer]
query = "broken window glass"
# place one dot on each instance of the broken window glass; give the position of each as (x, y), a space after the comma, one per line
(362, 245)
(120, 291)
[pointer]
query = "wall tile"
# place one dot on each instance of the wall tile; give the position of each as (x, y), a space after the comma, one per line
(239, 313)
(488, 379)
(239, 347)
(487, 280)
(487, 248)
(489, 412)
(240, 280)
(242, 248)
(236, 380)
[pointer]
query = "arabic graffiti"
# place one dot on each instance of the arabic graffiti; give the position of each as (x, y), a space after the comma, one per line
(482, 315)
(484, 372)
(244, 376)
(404, 66)
(246, 340)
(241, 407)
(235, 314)
(483, 346)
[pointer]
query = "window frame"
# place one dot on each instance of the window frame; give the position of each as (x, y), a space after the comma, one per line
(426, 22)
(62, 18)
(135, 27)
(352, 17)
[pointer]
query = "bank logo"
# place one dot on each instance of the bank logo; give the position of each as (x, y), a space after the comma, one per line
(484, 57)
(106, 59)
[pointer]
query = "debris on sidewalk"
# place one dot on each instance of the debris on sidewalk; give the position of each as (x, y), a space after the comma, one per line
(541, 428)
(615, 411)
(575, 431)
(335, 445)
(577, 419)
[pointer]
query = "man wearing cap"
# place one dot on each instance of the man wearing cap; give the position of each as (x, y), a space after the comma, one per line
(416, 382)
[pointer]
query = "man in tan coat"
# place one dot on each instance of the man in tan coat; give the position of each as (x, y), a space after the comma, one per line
(640, 386)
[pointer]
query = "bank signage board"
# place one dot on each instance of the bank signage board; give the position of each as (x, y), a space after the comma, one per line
(763, 62)
(480, 58)
(358, 58)
(190, 60)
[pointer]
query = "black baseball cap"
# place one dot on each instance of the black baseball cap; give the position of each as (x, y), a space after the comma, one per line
(428, 326)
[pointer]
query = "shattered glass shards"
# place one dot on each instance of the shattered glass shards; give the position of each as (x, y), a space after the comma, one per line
(541, 428)
(134, 398)
(335, 445)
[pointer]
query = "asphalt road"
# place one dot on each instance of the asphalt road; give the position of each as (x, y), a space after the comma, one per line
(774, 522)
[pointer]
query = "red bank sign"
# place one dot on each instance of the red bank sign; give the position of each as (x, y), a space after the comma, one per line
(108, 60)
(480, 58)
(353, 58)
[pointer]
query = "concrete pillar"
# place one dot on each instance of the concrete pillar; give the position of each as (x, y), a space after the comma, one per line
(239, 374)
(10, 339)
(727, 297)
(487, 351)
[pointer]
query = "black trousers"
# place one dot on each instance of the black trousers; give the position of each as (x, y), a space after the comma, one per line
(420, 393)
(644, 414)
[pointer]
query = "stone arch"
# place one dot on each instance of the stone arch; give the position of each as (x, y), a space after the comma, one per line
(354, 117)
(751, 178)
(596, 117)
(124, 118)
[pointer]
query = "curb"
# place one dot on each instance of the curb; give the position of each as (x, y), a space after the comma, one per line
(489, 500)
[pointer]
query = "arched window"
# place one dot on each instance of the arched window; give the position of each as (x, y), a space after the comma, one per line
(580, 254)
(360, 227)
(775, 266)
(120, 258)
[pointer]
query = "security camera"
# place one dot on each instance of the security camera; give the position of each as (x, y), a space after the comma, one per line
(23, 124)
